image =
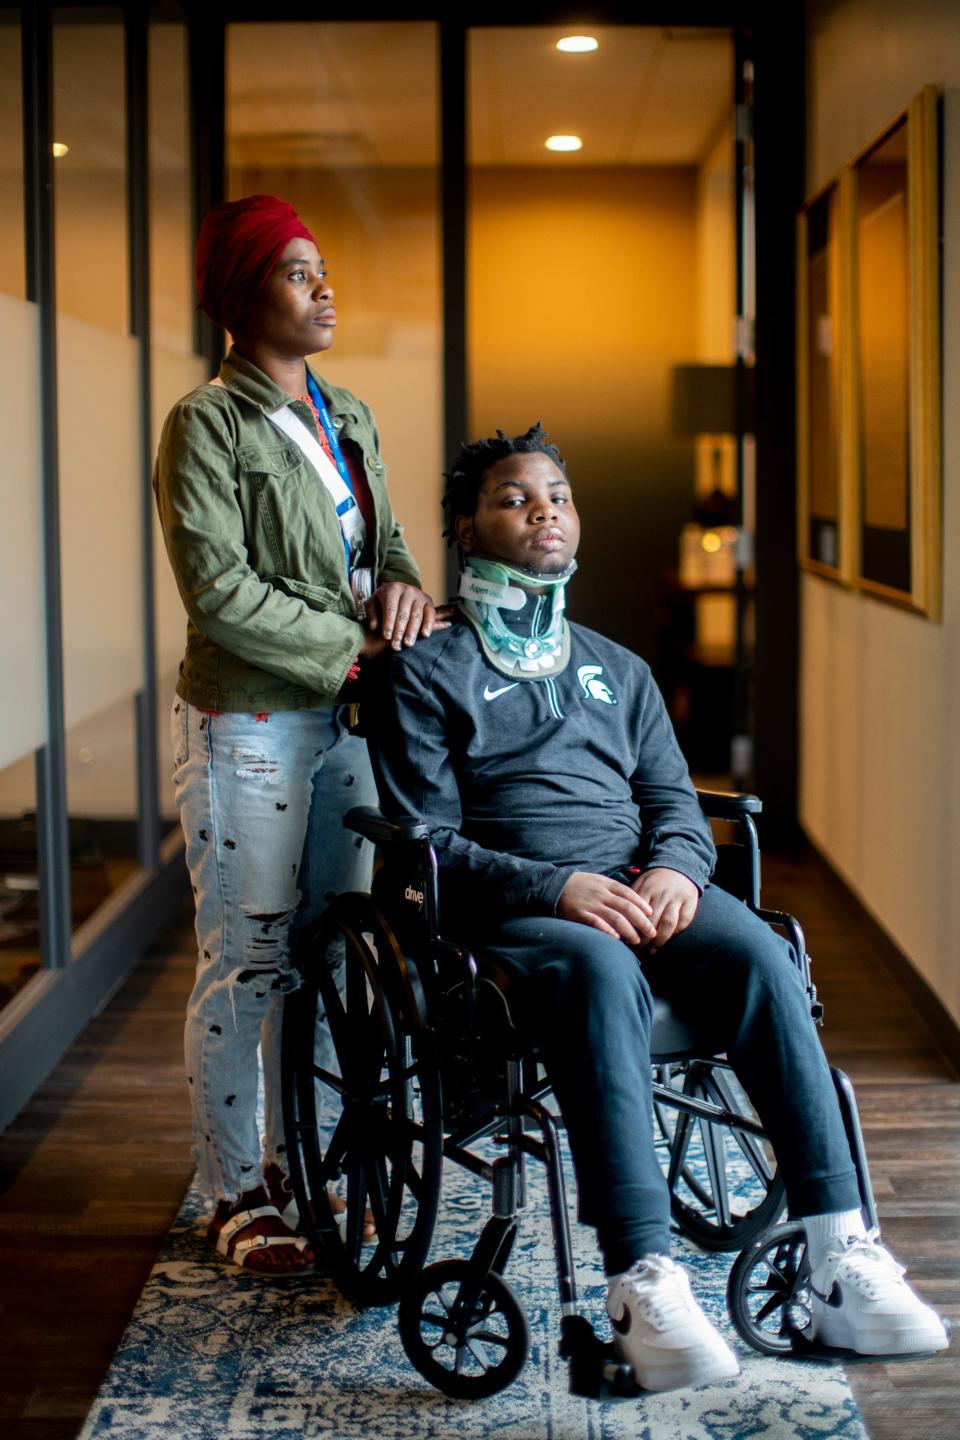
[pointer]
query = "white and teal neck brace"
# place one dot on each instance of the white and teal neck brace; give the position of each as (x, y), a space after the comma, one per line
(490, 587)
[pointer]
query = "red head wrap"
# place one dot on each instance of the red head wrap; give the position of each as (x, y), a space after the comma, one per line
(240, 243)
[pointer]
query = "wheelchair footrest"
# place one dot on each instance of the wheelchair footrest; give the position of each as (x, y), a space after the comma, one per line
(594, 1369)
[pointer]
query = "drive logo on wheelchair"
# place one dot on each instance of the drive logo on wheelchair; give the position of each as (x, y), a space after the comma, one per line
(415, 896)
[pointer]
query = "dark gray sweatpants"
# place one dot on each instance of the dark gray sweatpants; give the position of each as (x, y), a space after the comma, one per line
(589, 999)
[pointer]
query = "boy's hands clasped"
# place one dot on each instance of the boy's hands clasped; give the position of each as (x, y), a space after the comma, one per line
(673, 901)
(658, 905)
(607, 905)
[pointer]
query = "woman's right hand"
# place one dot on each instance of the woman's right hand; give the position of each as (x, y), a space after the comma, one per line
(402, 613)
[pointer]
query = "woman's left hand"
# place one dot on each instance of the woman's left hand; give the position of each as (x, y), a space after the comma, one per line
(402, 613)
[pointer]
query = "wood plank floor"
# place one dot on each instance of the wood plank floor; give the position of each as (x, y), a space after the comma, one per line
(909, 1101)
(92, 1173)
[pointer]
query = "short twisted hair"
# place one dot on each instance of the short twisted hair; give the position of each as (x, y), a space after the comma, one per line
(468, 469)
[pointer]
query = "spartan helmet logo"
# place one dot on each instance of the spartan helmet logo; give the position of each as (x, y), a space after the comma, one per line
(593, 687)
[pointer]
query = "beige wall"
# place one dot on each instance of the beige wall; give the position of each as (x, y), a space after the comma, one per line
(880, 689)
(582, 296)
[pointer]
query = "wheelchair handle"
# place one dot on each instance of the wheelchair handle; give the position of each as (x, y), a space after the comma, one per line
(366, 820)
(405, 834)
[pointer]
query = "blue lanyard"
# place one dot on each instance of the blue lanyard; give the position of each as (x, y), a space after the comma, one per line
(313, 390)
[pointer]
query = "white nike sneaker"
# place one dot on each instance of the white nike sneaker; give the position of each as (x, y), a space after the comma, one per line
(660, 1330)
(860, 1301)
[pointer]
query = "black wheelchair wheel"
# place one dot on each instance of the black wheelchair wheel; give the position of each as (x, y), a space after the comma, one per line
(767, 1291)
(725, 1189)
(466, 1350)
(362, 1108)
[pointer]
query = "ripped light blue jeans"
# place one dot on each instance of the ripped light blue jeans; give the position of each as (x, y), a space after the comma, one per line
(261, 802)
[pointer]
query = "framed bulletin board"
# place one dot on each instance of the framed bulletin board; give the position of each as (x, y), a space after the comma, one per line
(896, 360)
(825, 523)
(868, 368)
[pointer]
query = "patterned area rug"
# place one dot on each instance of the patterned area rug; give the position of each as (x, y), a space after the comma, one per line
(213, 1354)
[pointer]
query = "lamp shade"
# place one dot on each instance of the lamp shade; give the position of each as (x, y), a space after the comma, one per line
(704, 400)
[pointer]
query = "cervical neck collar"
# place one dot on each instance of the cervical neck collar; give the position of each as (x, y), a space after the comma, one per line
(490, 589)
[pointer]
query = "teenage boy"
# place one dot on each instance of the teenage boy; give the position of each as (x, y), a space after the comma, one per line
(571, 845)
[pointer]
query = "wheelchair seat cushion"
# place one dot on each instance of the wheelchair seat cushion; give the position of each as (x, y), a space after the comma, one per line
(670, 1038)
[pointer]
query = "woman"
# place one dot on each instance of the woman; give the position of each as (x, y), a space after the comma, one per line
(294, 575)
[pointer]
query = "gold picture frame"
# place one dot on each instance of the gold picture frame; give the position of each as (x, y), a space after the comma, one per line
(869, 368)
(896, 430)
(826, 524)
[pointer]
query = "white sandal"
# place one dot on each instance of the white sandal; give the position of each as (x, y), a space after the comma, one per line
(237, 1249)
(278, 1185)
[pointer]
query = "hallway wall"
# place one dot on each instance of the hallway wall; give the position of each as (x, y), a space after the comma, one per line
(582, 296)
(880, 688)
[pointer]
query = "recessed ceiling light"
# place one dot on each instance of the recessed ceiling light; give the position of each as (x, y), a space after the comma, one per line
(564, 142)
(578, 44)
(59, 149)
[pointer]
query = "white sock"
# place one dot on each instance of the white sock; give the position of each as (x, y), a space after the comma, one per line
(824, 1230)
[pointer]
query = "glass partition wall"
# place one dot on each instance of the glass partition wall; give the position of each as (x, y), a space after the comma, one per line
(23, 720)
(96, 305)
(175, 368)
(99, 482)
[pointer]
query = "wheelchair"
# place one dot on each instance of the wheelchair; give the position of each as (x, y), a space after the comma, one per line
(427, 1059)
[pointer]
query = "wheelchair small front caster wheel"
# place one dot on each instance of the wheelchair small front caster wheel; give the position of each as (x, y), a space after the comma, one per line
(467, 1350)
(767, 1292)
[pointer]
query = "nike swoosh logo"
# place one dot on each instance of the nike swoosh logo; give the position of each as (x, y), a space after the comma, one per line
(834, 1299)
(489, 694)
(621, 1325)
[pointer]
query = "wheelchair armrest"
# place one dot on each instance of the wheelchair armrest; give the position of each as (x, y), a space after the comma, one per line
(738, 864)
(727, 805)
(367, 820)
(799, 954)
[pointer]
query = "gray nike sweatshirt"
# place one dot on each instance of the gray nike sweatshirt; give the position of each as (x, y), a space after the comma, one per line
(522, 783)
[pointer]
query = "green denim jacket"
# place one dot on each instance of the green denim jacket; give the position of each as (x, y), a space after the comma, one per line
(256, 547)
